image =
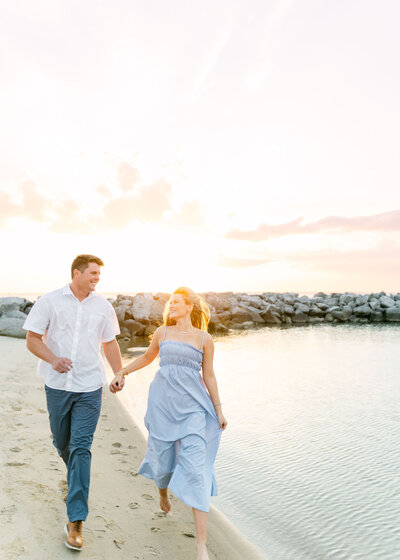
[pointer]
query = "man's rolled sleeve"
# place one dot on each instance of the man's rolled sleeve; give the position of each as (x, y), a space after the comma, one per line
(111, 328)
(38, 318)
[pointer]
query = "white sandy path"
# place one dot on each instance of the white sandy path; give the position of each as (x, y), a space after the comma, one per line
(124, 520)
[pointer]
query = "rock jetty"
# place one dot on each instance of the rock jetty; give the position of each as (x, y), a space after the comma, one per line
(140, 315)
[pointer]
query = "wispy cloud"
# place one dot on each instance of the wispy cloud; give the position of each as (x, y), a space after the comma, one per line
(384, 258)
(8, 209)
(35, 206)
(128, 176)
(151, 203)
(387, 221)
(189, 216)
(147, 204)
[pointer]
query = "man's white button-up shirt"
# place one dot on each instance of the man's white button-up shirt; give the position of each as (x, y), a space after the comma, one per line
(74, 329)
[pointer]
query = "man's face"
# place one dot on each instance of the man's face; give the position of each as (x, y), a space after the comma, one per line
(88, 279)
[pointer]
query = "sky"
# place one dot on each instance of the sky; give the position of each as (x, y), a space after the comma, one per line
(230, 145)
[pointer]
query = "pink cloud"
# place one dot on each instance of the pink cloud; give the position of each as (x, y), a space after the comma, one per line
(387, 221)
(128, 176)
(8, 209)
(190, 215)
(36, 206)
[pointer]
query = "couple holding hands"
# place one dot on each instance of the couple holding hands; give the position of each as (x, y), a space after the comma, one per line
(66, 329)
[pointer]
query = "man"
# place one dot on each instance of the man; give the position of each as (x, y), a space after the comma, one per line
(66, 329)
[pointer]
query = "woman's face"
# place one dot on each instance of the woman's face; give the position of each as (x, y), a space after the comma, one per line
(178, 308)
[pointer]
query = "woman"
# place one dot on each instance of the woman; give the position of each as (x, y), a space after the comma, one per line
(184, 416)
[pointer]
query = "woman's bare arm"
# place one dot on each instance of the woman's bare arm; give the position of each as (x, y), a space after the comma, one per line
(138, 363)
(210, 379)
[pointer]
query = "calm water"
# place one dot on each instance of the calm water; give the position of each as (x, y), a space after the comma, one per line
(309, 465)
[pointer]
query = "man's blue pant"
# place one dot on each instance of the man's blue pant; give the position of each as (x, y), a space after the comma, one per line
(73, 420)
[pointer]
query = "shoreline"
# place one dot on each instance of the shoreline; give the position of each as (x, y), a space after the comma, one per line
(124, 520)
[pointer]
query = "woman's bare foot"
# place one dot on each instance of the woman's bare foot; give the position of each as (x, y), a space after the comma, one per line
(165, 504)
(202, 553)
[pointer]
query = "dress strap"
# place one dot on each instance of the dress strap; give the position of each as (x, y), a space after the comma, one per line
(165, 332)
(201, 347)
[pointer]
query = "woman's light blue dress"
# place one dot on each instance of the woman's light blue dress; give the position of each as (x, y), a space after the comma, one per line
(183, 427)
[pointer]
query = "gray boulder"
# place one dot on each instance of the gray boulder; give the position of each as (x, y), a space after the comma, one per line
(377, 316)
(16, 314)
(134, 327)
(362, 310)
(299, 317)
(392, 314)
(224, 316)
(288, 309)
(145, 308)
(340, 314)
(220, 302)
(301, 307)
(271, 317)
(220, 329)
(12, 304)
(316, 311)
(256, 317)
(386, 302)
(344, 299)
(253, 301)
(320, 295)
(121, 311)
(12, 326)
(315, 320)
(330, 301)
(150, 329)
(289, 299)
(240, 314)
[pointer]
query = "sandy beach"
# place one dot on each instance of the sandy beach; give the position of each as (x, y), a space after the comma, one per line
(124, 522)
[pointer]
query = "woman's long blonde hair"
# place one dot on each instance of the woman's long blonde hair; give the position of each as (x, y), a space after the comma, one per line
(200, 315)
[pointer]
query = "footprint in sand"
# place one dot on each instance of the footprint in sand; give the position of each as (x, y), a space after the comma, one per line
(124, 429)
(155, 529)
(116, 444)
(188, 534)
(8, 513)
(152, 550)
(134, 505)
(16, 464)
(147, 496)
(15, 449)
(63, 486)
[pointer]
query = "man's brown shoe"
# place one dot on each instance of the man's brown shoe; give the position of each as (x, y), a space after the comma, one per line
(73, 530)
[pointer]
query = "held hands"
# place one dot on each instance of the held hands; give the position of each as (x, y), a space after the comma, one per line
(62, 365)
(117, 384)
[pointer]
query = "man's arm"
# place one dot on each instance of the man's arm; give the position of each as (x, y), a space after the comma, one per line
(113, 355)
(35, 344)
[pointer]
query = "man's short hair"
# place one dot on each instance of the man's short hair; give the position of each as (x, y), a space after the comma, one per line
(81, 262)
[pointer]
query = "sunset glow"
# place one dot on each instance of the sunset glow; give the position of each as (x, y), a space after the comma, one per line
(244, 146)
